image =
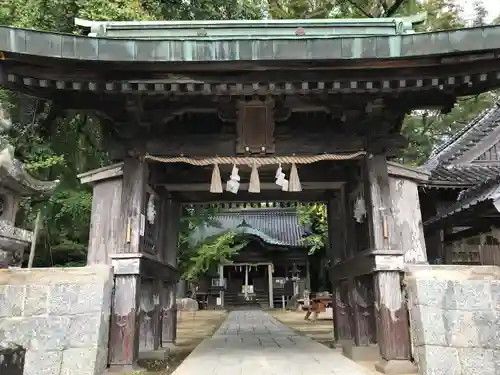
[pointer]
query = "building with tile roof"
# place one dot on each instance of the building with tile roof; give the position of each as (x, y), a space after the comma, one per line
(275, 246)
(461, 200)
(471, 156)
(273, 226)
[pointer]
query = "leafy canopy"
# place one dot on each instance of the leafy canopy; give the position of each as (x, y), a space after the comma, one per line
(60, 144)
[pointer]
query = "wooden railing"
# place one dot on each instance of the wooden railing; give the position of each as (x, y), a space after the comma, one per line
(490, 255)
(476, 254)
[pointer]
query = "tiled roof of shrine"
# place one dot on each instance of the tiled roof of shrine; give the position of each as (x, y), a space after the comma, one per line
(463, 175)
(444, 165)
(487, 192)
(274, 226)
(470, 135)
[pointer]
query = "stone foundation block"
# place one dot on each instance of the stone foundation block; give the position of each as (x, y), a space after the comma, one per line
(428, 326)
(361, 353)
(455, 321)
(396, 367)
(154, 355)
(60, 316)
(438, 360)
(477, 361)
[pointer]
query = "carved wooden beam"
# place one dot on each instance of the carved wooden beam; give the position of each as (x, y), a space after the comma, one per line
(245, 196)
(173, 187)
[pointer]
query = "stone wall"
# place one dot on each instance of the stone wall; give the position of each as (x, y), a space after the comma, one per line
(60, 316)
(454, 318)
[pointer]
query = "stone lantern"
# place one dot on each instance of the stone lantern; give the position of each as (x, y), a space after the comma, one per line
(15, 183)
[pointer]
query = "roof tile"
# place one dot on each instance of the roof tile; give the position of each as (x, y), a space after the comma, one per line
(275, 226)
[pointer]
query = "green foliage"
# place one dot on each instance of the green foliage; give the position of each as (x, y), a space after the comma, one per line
(426, 129)
(196, 258)
(60, 144)
(315, 218)
(63, 145)
(214, 250)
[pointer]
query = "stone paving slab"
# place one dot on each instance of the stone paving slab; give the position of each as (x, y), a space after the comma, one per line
(252, 342)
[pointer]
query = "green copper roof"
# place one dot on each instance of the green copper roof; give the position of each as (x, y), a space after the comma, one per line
(250, 29)
(67, 46)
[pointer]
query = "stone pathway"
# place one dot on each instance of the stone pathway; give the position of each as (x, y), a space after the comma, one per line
(254, 343)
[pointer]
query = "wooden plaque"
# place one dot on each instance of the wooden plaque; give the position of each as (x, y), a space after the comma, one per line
(255, 127)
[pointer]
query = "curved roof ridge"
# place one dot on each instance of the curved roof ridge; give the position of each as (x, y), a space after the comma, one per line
(276, 227)
(14, 176)
(441, 154)
(477, 189)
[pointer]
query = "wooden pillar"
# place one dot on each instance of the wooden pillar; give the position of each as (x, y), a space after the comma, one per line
(170, 243)
(308, 275)
(158, 313)
(408, 234)
(221, 284)
(117, 237)
(169, 321)
(364, 322)
(270, 285)
(393, 333)
(392, 319)
(447, 246)
(135, 176)
(246, 281)
(337, 252)
(341, 314)
(149, 316)
(125, 325)
(106, 233)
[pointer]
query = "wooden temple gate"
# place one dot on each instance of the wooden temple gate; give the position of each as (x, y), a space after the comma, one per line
(173, 101)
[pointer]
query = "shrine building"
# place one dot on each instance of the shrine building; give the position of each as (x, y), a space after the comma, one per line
(459, 201)
(233, 112)
(273, 265)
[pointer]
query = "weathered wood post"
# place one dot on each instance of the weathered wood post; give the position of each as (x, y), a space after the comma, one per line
(122, 235)
(125, 322)
(172, 216)
(149, 320)
(270, 284)
(391, 311)
(114, 239)
(342, 315)
(337, 249)
(221, 284)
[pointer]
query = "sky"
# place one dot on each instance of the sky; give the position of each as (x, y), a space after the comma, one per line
(493, 7)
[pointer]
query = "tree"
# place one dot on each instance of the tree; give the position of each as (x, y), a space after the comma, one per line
(314, 217)
(496, 21)
(196, 258)
(299, 9)
(426, 129)
(480, 13)
(56, 143)
(209, 253)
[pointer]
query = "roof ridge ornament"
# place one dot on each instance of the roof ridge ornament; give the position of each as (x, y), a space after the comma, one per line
(261, 29)
(13, 171)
